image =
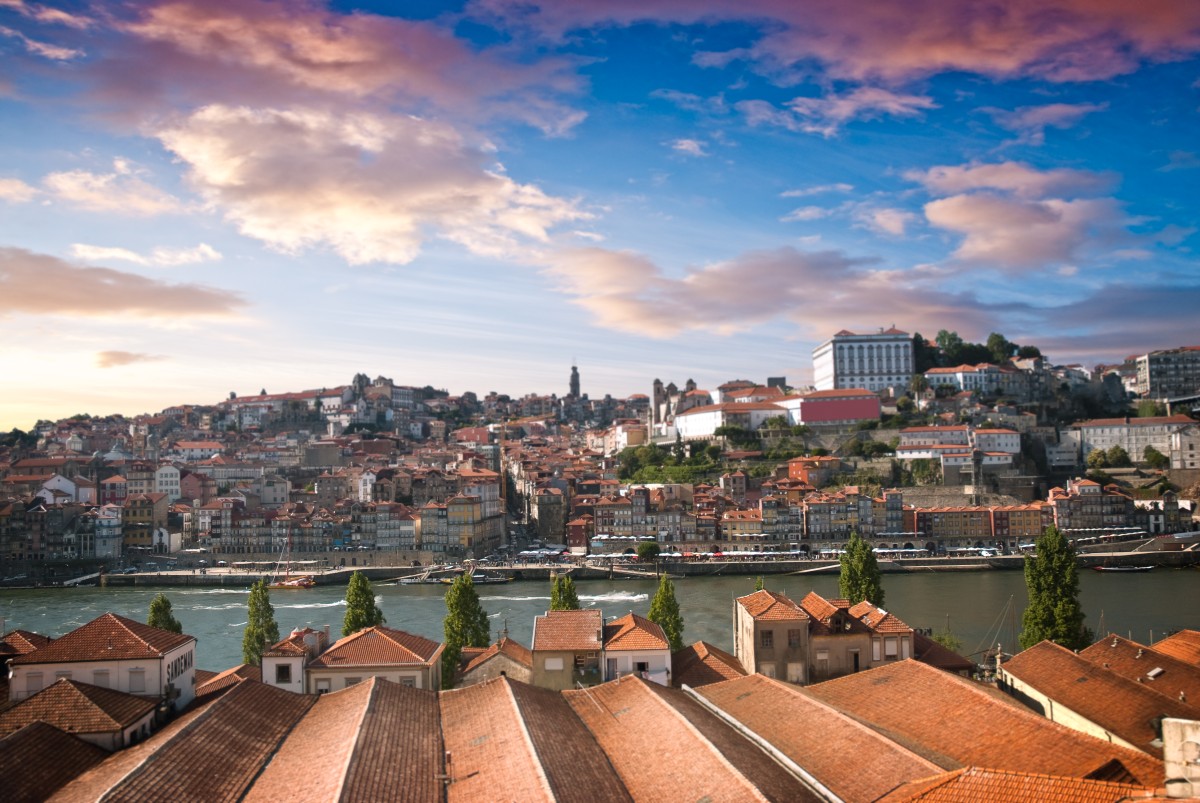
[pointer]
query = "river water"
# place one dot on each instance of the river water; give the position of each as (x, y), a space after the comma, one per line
(983, 607)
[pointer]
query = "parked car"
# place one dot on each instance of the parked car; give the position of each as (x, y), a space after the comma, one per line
(129, 570)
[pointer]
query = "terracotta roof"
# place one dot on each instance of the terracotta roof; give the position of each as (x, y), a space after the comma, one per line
(511, 741)
(505, 646)
(367, 742)
(77, 707)
(930, 652)
(819, 738)
(664, 744)
(228, 678)
(975, 785)
(39, 759)
(1122, 707)
(818, 607)
(568, 630)
(633, 632)
(771, 605)
(109, 637)
(378, 646)
(214, 753)
(1184, 645)
(842, 393)
(878, 619)
(22, 642)
(701, 663)
(1158, 671)
(955, 722)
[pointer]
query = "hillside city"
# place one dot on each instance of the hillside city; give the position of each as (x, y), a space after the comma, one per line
(902, 449)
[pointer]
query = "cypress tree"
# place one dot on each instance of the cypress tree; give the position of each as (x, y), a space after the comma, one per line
(261, 629)
(563, 596)
(860, 578)
(361, 610)
(465, 625)
(161, 615)
(664, 611)
(1052, 582)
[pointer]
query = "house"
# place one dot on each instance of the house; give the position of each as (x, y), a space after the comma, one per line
(701, 663)
(304, 662)
(505, 658)
(635, 645)
(39, 759)
(567, 648)
(770, 635)
(107, 718)
(112, 652)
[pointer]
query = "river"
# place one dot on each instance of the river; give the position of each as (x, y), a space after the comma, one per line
(1143, 607)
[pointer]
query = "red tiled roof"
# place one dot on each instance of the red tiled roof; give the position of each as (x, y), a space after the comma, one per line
(878, 619)
(22, 642)
(109, 637)
(228, 678)
(1184, 645)
(505, 646)
(633, 632)
(975, 785)
(701, 663)
(568, 631)
(378, 646)
(771, 605)
(39, 759)
(77, 707)
(1156, 670)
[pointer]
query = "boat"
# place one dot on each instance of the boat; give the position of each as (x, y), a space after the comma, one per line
(287, 581)
(481, 579)
(1122, 568)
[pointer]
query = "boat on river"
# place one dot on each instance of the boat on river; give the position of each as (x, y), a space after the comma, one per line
(287, 581)
(1122, 568)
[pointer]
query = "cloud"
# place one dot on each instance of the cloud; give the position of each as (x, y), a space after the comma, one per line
(1178, 160)
(114, 359)
(691, 147)
(1030, 122)
(371, 187)
(120, 192)
(818, 291)
(826, 115)
(169, 257)
(39, 48)
(690, 102)
(806, 213)
(1018, 178)
(884, 221)
(817, 190)
(48, 15)
(1056, 40)
(259, 53)
(16, 191)
(38, 284)
(1026, 234)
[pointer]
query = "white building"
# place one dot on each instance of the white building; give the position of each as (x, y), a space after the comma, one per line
(875, 361)
(1131, 434)
(166, 481)
(112, 652)
(633, 645)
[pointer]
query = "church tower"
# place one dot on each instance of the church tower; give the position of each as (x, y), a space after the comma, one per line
(574, 382)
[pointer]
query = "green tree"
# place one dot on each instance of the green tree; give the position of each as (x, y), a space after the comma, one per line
(1097, 458)
(1052, 582)
(361, 610)
(1148, 408)
(648, 550)
(860, 578)
(1155, 459)
(1118, 457)
(261, 629)
(563, 596)
(758, 583)
(465, 625)
(664, 611)
(161, 615)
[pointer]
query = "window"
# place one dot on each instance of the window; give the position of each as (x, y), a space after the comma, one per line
(768, 670)
(33, 682)
(641, 666)
(554, 664)
(794, 638)
(137, 681)
(352, 681)
(876, 650)
(322, 687)
(283, 673)
(62, 673)
(767, 639)
(100, 678)
(891, 648)
(409, 682)
(795, 672)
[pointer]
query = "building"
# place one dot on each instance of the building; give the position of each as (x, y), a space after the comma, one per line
(770, 636)
(303, 663)
(872, 361)
(633, 645)
(505, 658)
(567, 649)
(107, 718)
(112, 652)
(1168, 374)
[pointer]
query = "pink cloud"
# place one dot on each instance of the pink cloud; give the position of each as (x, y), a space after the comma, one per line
(826, 115)
(1030, 122)
(38, 284)
(1057, 40)
(1018, 178)
(115, 359)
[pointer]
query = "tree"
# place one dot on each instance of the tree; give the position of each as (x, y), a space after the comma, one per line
(1118, 457)
(361, 610)
(758, 583)
(1148, 408)
(1052, 582)
(1000, 347)
(465, 625)
(1097, 458)
(860, 578)
(664, 611)
(1155, 459)
(161, 615)
(261, 629)
(648, 550)
(563, 596)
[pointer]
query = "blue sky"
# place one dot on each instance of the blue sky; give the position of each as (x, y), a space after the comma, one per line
(205, 197)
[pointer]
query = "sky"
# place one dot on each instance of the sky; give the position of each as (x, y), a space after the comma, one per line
(204, 196)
